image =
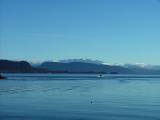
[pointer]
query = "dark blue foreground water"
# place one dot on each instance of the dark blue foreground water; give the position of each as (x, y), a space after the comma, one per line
(79, 97)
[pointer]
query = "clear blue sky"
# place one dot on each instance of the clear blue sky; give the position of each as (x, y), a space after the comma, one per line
(114, 31)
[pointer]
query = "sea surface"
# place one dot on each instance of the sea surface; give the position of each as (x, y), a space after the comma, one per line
(79, 97)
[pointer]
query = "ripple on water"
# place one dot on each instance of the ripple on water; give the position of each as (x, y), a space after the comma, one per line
(69, 97)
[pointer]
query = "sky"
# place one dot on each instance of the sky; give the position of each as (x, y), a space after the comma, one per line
(114, 31)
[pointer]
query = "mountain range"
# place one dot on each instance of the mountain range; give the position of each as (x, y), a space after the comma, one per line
(71, 66)
(143, 69)
(82, 67)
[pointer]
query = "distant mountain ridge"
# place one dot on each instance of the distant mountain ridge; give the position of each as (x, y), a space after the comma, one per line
(78, 67)
(146, 69)
(81, 60)
(8, 66)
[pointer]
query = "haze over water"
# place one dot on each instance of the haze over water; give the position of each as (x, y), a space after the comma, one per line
(79, 97)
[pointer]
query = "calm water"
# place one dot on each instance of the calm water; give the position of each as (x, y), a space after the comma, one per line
(79, 97)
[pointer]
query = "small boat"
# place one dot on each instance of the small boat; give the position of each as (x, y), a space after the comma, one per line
(100, 76)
